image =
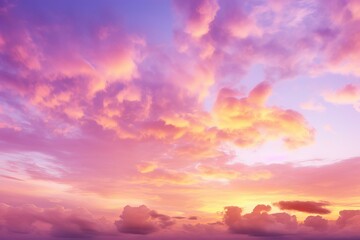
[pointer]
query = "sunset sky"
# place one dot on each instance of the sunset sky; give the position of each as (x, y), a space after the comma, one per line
(175, 120)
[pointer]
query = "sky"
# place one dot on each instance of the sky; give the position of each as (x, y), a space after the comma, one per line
(184, 119)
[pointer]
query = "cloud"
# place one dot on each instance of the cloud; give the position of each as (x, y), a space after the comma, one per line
(348, 224)
(142, 220)
(247, 121)
(290, 178)
(146, 167)
(259, 222)
(238, 24)
(104, 83)
(42, 223)
(213, 172)
(343, 50)
(163, 176)
(312, 106)
(197, 16)
(304, 206)
(348, 217)
(317, 223)
(260, 94)
(348, 95)
(63, 223)
(78, 223)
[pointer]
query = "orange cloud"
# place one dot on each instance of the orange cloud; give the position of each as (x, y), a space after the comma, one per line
(146, 167)
(247, 121)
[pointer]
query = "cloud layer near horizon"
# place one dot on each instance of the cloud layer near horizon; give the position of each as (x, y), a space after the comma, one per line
(59, 222)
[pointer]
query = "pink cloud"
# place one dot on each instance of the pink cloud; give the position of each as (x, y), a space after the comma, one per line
(142, 220)
(319, 181)
(259, 222)
(197, 15)
(349, 94)
(264, 224)
(348, 217)
(58, 221)
(43, 223)
(317, 223)
(348, 223)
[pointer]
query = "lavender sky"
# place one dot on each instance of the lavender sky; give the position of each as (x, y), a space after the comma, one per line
(185, 119)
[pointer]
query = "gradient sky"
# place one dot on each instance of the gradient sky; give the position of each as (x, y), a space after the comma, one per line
(185, 119)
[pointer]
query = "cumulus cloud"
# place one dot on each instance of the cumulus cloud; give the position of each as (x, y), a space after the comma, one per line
(107, 83)
(142, 220)
(348, 224)
(318, 223)
(304, 206)
(348, 217)
(79, 223)
(247, 121)
(61, 222)
(259, 222)
(64, 223)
